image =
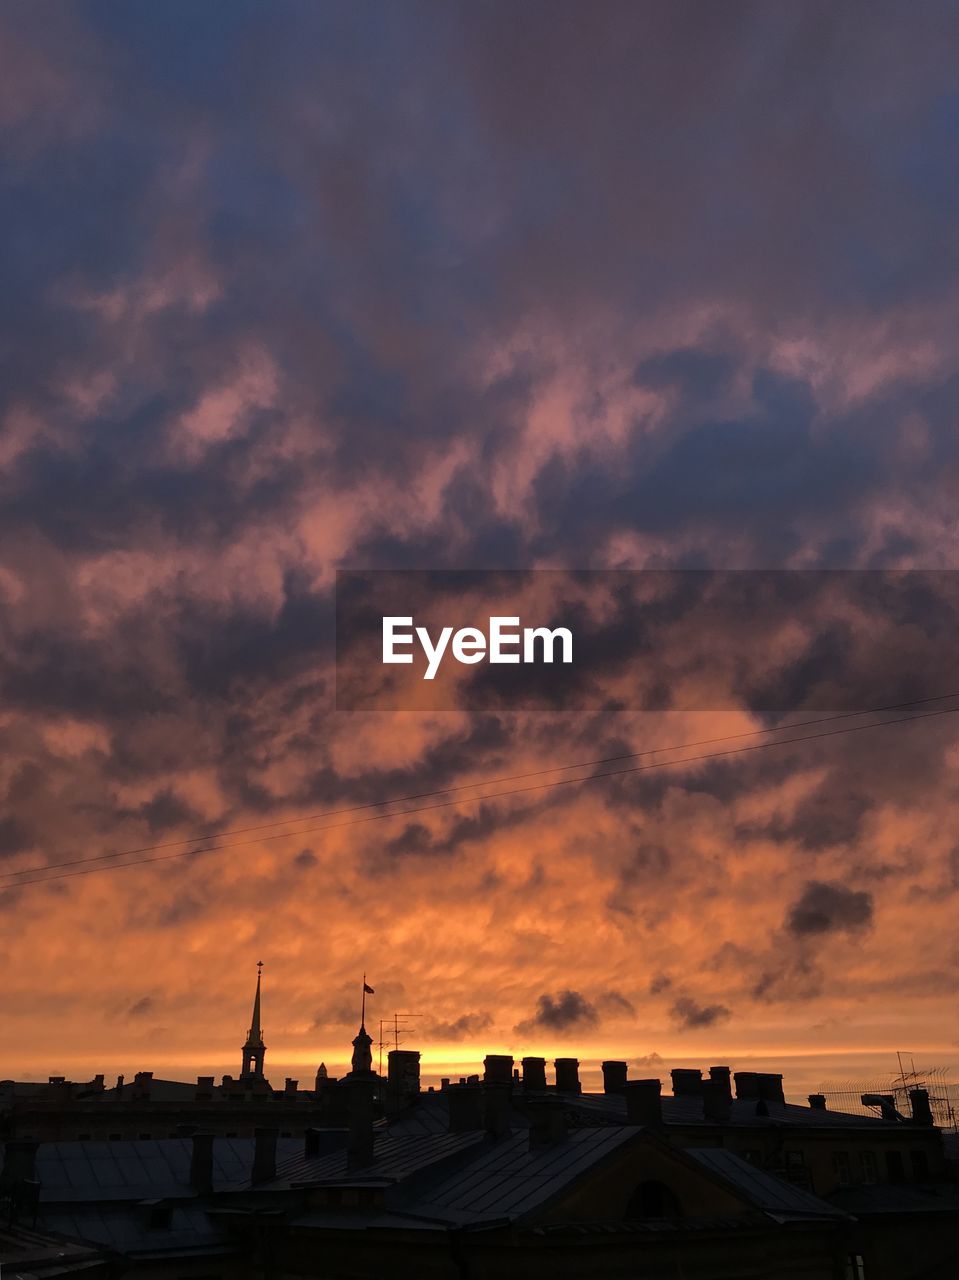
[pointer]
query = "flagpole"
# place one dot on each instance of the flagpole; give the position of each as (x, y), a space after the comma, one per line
(363, 1006)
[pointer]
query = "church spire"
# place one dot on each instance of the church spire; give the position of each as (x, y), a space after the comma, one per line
(254, 1049)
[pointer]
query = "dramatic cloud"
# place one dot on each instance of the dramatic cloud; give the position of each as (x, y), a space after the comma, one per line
(688, 1014)
(560, 1012)
(287, 292)
(829, 908)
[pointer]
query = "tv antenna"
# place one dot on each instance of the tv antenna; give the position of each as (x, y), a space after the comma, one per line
(395, 1028)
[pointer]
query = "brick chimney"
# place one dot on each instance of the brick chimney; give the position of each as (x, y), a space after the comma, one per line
(644, 1103)
(534, 1073)
(498, 1069)
(204, 1089)
(143, 1085)
(403, 1077)
(717, 1101)
(201, 1163)
(465, 1106)
(567, 1075)
(771, 1087)
(359, 1151)
(921, 1110)
(747, 1084)
(817, 1102)
(547, 1121)
(290, 1088)
(614, 1077)
(687, 1082)
(264, 1155)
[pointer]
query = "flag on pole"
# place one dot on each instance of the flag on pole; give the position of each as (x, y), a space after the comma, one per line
(368, 990)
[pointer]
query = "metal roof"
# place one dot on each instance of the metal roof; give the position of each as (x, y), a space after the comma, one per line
(86, 1172)
(126, 1229)
(764, 1190)
(394, 1158)
(508, 1178)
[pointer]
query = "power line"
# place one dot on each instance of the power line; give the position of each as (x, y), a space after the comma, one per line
(543, 786)
(198, 840)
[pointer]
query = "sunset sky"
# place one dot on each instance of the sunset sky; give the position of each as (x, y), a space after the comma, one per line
(291, 287)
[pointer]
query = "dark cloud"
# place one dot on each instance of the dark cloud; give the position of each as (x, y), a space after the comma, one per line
(829, 908)
(140, 1008)
(690, 1015)
(466, 1027)
(560, 1012)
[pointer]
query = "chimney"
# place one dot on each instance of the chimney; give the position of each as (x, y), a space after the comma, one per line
(97, 1084)
(721, 1075)
(614, 1077)
(747, 1084)
(264, 1155)
(466, 1107)
(119, 1084)
(497, 1109)
(201, 1164)
(143, 1085)
(290, 1088)
(771, 1087)
(547, 1121)
(686, 1082)
(717, 1102)
(204, 1089)
(644, 1103)
(921, 1110)
(567, 1075)
(817, 1102)
(359, 1151)
(534, 1073)
(19, 1163)
(498, 1069)
(402, 1076)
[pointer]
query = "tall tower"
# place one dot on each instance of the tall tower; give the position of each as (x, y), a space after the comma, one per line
(254, 1050)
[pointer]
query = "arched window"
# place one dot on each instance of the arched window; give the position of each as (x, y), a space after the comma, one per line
(653, 1199)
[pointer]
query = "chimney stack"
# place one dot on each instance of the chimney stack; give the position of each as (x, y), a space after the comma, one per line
(921, 1110)
(290, 1088)
(360, 1113)
(547, 1121)
(201, 1164)
(465, 1106)
(614, 1077)
(687, 1082)
(204, 1089)
(717, 1102)
(264, 1155)
(534, 1073)
(644, 1103)
(817, 1102)
(498, 1069)
(402, 1077)
(747, 1084)
(143, 1085)
(567, 1075)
